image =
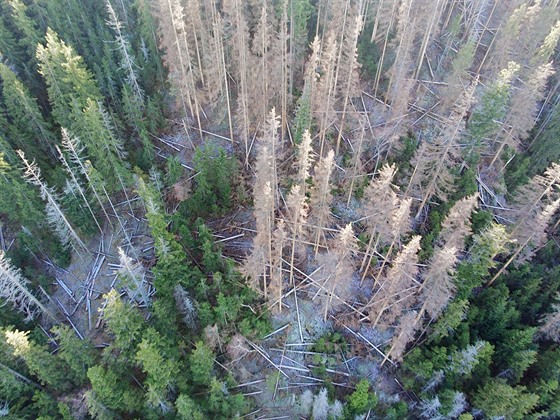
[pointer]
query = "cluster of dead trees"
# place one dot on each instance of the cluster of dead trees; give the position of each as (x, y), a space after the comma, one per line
(471, 78)
(240, 60)
(299, 242)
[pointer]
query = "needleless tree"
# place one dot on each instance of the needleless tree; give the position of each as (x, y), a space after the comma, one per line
(75, 185)
(73, 147)
(276, 285)
(14, 289)
(55, 215)
(261, 66)
(218, 79)
(337, 267)
(380, 204)
(297, 214)
(324, 98)
(403, 42)
(239, 39)
(320, 199)
(550, 328)
(433, 161)
(349, 72)
(178, 56)
(397, 287)
(198, 33)
(128, 63)
(132, 275)
(385, 21)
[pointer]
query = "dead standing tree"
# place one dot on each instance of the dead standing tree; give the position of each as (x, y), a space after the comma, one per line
(380, 203)
(433, 160)
(396, 290)
(265, 193)
(321, 198)
(13, 288)
(337, 267)
(55, 215)
(240, 60)
(297, 215)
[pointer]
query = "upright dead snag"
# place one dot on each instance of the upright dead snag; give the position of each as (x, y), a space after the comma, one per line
(380, 203)
(398, 286)
(337, 267)
(321, 198)
(13, 288)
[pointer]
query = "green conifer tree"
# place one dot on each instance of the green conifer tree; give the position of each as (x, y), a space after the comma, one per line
(28, 128)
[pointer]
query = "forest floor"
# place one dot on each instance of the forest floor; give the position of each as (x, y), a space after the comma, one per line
(79, 296)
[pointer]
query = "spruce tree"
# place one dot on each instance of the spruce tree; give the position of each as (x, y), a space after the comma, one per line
(70, 85)
(22, 204)
(27, 124)
(160, 367)
(492, 107)
(30, 36)
(47, 367)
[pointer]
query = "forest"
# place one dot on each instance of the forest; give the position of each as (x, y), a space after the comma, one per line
(279, 209)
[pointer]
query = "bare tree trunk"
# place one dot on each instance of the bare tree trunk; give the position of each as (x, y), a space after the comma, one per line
(79, 188)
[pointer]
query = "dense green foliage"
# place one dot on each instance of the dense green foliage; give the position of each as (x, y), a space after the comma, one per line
(489, 349)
